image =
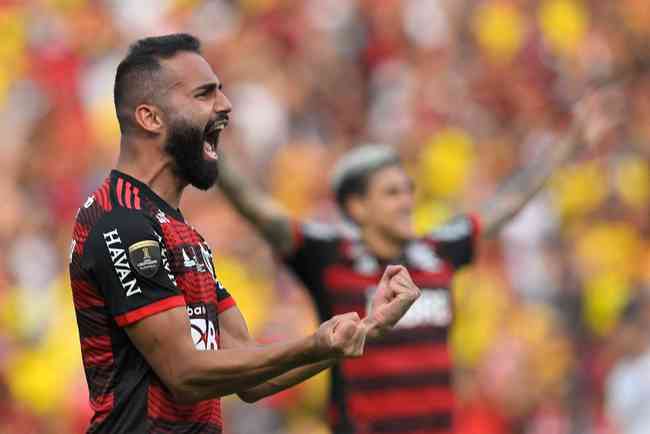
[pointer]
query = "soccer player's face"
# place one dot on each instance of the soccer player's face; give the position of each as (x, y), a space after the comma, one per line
(197, 112)
(388, 203)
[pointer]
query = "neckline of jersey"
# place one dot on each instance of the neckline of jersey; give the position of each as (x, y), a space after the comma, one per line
(145, 189)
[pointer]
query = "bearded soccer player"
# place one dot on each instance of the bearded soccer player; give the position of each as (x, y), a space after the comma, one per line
(161, 338)
(403, 382)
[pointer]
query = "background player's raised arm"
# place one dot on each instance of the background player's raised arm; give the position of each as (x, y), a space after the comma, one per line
(256, 206)
(588, 128)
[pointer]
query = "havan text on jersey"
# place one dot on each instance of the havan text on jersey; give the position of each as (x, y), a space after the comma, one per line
(121, 263)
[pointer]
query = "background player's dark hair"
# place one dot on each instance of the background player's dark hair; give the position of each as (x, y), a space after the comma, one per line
(139, 74)
(353, 172)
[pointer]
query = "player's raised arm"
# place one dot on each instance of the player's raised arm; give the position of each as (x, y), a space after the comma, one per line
(234, 334)
(266, 215)
(588, 128)
(193, 375)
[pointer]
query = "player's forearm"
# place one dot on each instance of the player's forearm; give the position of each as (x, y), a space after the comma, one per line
(285, 381)
(256, 207)
(211, 374)
(518, 190)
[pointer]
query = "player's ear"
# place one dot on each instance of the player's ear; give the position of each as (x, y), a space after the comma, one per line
(149, 117)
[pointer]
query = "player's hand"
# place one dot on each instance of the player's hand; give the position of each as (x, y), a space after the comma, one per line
(342, 336)
(598, 114)
(395, 294)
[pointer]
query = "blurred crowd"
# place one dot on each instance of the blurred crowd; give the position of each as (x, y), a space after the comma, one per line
(553, 323)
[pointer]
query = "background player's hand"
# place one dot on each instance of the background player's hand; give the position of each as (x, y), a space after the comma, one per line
(342, 336)
(395, 294)
(598, 114)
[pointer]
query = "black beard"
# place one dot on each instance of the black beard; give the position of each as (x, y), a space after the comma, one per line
(185, 144)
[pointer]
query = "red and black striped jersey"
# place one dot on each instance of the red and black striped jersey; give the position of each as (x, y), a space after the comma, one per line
(133, 256)
(402, 384)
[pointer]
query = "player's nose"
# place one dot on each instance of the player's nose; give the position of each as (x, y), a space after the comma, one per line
(222, 103)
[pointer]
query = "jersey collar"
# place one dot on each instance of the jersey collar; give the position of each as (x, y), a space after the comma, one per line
(149, 193)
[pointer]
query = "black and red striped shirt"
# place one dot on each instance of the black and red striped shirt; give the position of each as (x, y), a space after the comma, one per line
(402, 384)
(133, 256)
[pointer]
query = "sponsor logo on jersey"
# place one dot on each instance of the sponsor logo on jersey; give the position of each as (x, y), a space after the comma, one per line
(192, 260)
(187, 261)
(162, 217)
(200, 262)
(432, 308)
(204, 333)
(207, 259)
(145, 257)
(121, 263)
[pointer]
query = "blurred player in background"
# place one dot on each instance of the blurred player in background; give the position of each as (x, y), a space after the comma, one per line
(403, 383)
(161, 338)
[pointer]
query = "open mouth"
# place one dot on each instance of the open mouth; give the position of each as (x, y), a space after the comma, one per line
(211, 141)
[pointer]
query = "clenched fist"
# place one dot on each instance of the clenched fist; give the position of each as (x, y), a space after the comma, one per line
(342, 336)
(395, 294)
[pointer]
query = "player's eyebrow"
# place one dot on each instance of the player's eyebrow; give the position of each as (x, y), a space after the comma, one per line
(208, 87)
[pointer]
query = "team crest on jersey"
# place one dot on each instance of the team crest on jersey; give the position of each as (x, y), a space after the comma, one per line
(145, 257)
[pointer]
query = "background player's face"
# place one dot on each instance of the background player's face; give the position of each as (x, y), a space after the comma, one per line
(196, 113)
(387, 207)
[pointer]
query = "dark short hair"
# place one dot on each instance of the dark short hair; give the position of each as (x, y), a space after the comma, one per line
(138, 75)
(354, 170)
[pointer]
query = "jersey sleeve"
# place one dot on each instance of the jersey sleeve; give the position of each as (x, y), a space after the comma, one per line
(129, 260)
(224, 300)
(316, 247)
(456, 240)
